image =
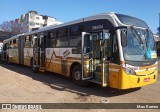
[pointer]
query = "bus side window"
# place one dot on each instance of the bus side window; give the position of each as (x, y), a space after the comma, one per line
(115, 50)
(51, 40)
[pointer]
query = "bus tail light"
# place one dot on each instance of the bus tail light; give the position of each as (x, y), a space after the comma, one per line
(129, 71)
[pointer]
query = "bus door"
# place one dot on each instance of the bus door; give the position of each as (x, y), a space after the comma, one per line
(21, 50)
(38, 52)
(41, 55)
(87, 56)
(35, 51)
(106, 47)
(94, 65)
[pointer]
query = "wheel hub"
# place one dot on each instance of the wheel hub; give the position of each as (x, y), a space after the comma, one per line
(77, 75)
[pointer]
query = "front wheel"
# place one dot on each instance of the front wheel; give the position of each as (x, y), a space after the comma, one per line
(77, 76)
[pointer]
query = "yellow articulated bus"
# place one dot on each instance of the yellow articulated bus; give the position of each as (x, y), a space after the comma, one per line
(110, 49)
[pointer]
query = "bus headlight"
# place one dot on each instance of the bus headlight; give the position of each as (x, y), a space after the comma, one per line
(129, 71)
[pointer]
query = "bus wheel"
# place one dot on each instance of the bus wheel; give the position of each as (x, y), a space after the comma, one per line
(34, 69)
(77, 76)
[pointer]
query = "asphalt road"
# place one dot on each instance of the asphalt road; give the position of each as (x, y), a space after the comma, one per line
(19, 85)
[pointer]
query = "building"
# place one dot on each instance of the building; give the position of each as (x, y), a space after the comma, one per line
(32, 20)
(17, 20)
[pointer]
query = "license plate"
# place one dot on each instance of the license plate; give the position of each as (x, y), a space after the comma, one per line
(146, 79)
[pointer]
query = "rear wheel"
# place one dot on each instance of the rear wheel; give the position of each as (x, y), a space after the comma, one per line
(77, 76)
(34, 69)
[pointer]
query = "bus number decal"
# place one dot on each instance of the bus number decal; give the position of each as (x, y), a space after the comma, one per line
(66, 54)
(97, 27)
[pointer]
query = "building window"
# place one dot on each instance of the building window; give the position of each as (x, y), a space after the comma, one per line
(37, 23)
(37, 17)
(32, 23)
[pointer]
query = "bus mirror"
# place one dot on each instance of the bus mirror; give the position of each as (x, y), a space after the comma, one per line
(124, 38)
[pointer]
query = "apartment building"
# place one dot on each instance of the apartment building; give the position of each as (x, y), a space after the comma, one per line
(32, 20)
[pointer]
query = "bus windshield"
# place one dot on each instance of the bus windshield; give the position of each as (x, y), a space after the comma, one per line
(128, 20)
(140, 45)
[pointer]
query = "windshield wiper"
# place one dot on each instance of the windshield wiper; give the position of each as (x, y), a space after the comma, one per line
(139, 37)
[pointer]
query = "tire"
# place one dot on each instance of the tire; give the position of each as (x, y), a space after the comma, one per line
(34, 69)
(77, 76)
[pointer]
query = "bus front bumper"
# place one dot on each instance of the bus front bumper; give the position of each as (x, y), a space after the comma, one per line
(133, 81)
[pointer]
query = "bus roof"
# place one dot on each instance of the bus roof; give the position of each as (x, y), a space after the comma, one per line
(108, 16)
